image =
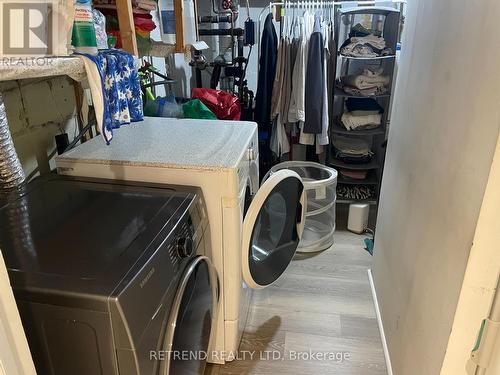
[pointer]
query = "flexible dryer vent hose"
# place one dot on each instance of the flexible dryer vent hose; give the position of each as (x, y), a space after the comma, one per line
(11, 171)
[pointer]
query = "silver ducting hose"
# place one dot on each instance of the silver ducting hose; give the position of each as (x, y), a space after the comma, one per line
(12, 183)
(19, 227)
(11, 171)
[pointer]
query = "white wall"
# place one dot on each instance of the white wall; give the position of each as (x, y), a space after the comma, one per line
(176, 68)
(480, 280)
(444, 129)
(15, 356)
(255, 9)
(37, 111)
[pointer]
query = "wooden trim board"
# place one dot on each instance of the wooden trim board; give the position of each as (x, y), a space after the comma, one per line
(179, 25)
(127, 27)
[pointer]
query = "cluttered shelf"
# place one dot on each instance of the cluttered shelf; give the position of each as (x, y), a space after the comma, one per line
(336, 163)
(371, 180)
(339, 92)
(387, 57)
(367, 57)
(339, 129)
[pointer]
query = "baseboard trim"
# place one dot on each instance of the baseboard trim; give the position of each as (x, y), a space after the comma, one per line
(380, 324)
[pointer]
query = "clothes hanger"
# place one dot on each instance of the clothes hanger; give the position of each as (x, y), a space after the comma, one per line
(289, 18)
(283, 19)
(294, 21)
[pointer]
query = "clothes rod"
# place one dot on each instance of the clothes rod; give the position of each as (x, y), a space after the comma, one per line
(329, 2)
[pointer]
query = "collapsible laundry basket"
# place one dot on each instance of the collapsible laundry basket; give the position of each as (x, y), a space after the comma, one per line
(320, 183)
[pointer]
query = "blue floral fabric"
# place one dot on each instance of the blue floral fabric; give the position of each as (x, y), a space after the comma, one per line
(121, 90)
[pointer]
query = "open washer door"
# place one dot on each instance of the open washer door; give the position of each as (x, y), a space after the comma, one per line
(272, 228)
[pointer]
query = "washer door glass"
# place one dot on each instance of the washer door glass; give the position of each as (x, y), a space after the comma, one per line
(272, 228)
(191, 320)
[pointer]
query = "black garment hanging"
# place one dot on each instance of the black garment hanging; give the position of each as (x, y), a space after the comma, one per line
(267, 71)
(315, 83)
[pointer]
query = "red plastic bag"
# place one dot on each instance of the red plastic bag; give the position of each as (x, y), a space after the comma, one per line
(223, 104)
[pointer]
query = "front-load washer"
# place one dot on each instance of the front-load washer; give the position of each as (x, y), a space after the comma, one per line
(253, 240)
(106, 276)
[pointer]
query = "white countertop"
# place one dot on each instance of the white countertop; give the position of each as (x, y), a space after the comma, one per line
(169, 143)
(18, 68)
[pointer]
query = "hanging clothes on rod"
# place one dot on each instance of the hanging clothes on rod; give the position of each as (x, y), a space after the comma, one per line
(300, 96)
(315, 80)
(267, 69)
(295, 92)
(281, 89)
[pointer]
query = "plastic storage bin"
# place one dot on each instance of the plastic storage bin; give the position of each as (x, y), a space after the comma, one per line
(320, 183)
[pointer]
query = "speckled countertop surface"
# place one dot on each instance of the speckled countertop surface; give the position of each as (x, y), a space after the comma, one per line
(162, 142)
(43, 67)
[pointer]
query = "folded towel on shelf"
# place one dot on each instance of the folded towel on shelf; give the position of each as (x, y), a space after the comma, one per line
(363, 107)
(372, 71)
(363, 86)
(354, 145)
(359, 50)
(143, 23)
(116, 90)
(372, 91)
(352, 150)
(363, 81)
(360, 30)
(354, 174)
(150, 5)
(372, 40)
(366, 46)
(369, 82)
(352, 122)
(352, 159)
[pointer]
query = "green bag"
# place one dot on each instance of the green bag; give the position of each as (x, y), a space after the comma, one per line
(196, 109)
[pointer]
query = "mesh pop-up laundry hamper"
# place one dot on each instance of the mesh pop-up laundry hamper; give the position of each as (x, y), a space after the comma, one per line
(320, 183)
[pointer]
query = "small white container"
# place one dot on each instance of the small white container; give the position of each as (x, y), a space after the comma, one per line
(358, 217)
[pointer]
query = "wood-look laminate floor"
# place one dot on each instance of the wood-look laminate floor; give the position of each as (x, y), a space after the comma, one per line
(322, 304)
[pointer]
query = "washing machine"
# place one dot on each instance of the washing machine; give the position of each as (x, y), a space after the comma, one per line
(106, 276)
(255, 231)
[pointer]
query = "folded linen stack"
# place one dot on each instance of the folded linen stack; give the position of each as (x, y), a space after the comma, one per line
(360, 30)
(145, 6)
(352, 150)
(370, 81)
(363, 43)
(143, 20)
(354, 174)
(352, 122)
(362, 114)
